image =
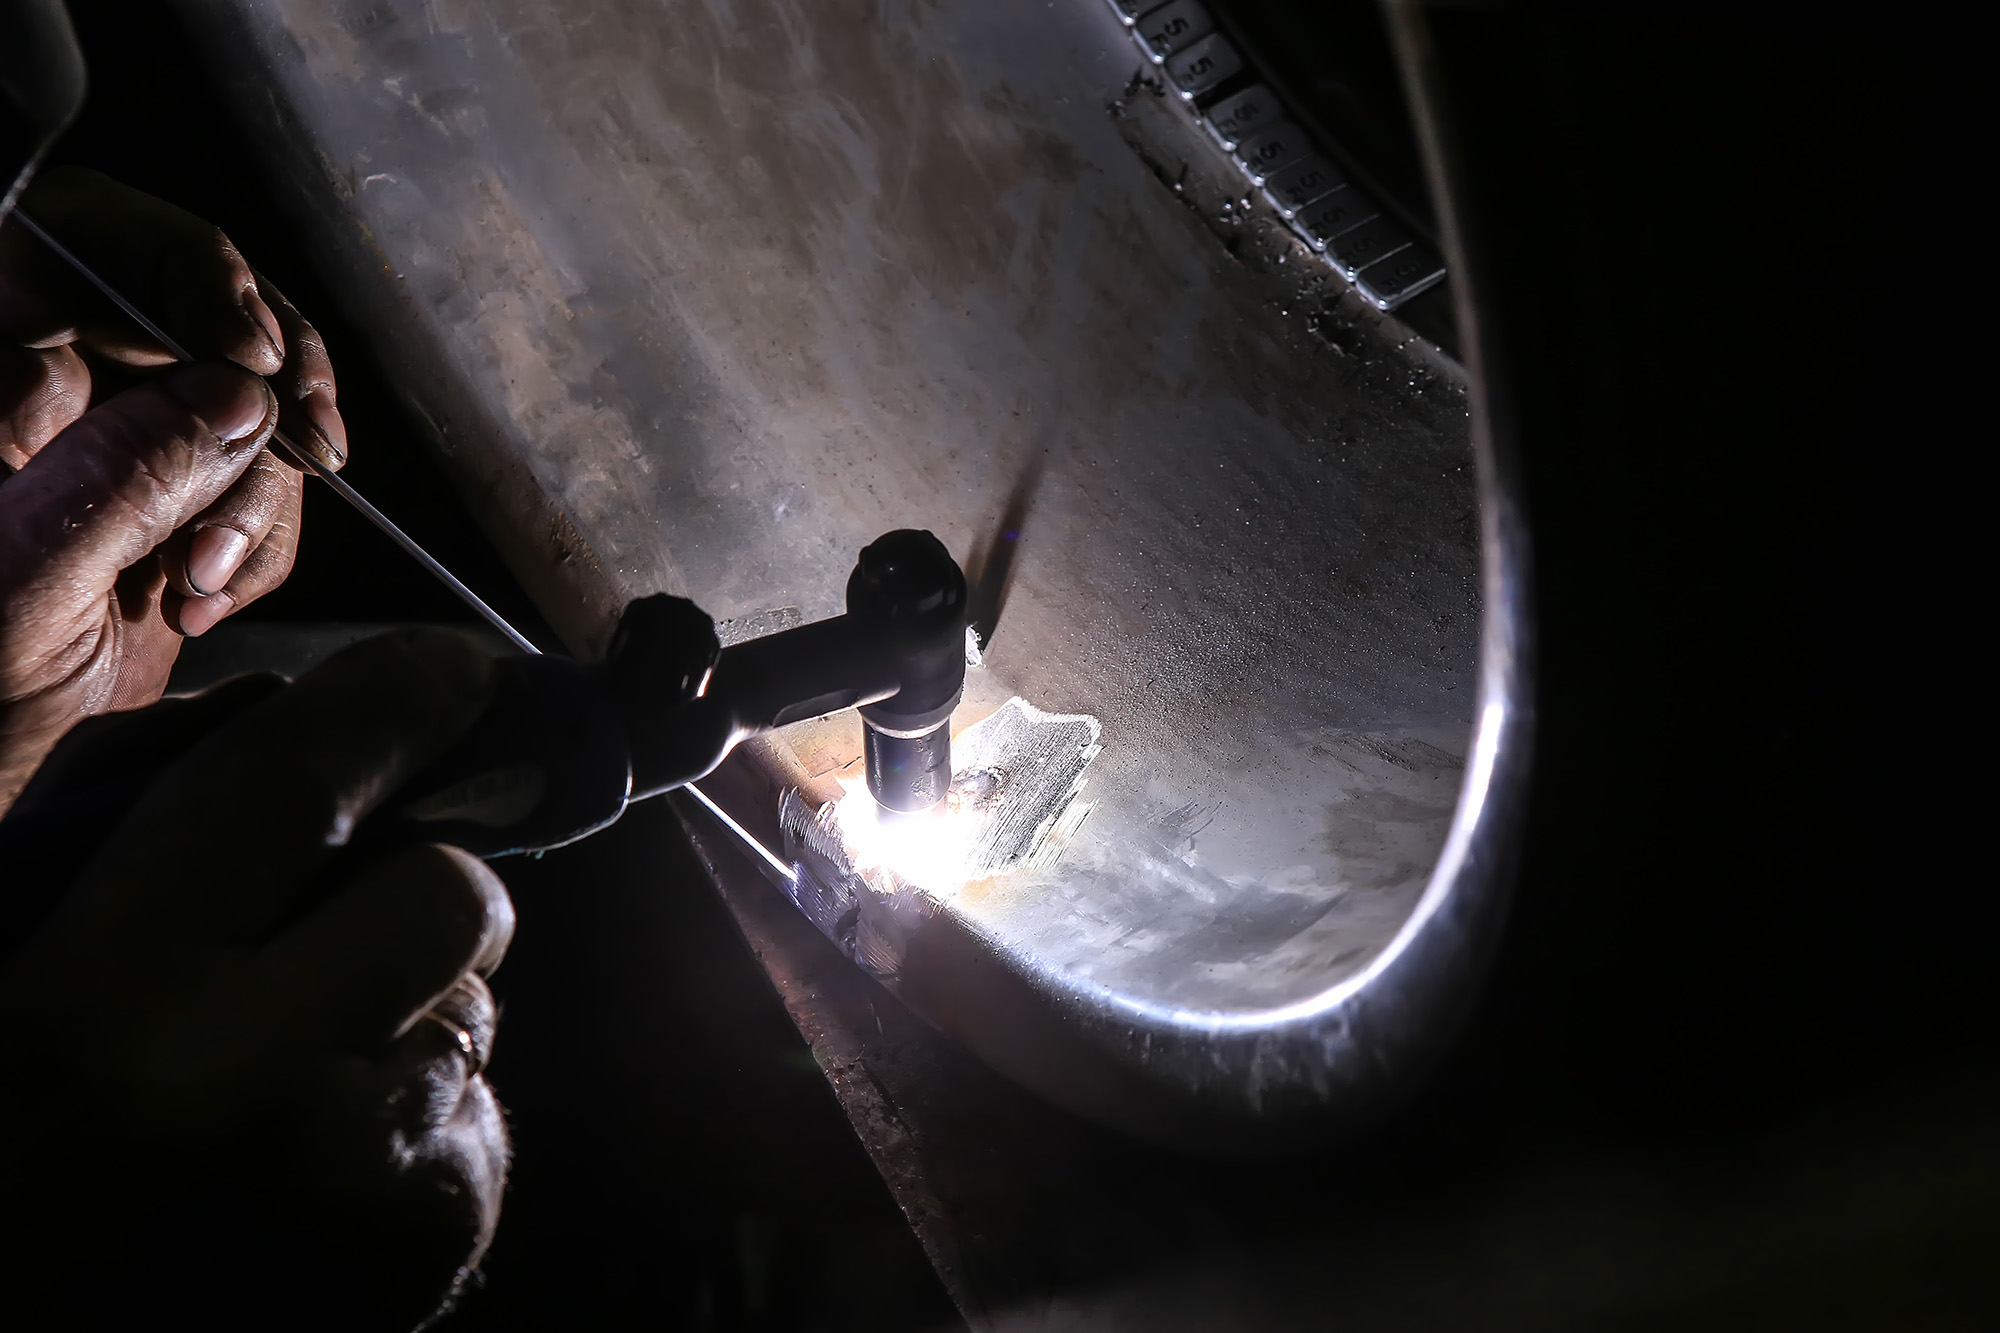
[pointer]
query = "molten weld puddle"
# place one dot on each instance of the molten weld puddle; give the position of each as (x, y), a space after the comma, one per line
(1013, 806)
(929, 850)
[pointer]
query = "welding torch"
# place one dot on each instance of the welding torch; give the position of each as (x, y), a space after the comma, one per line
(566, 745)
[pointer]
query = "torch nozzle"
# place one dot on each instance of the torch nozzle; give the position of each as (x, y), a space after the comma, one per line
(907, 597)
(908, 772)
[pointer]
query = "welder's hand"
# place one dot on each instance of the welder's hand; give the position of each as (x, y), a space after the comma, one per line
(183, 273)
(63, 342)
(87, 531)
(254, 1066)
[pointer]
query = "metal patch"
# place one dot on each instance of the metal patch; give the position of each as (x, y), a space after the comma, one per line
(865, 878)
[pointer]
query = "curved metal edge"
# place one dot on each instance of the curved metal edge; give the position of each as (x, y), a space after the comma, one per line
(1275, 1082)
(1251, 1085)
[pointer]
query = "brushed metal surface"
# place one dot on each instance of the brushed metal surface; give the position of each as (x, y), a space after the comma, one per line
(702, 297)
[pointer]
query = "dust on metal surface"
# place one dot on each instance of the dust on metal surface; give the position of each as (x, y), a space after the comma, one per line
(701, 298)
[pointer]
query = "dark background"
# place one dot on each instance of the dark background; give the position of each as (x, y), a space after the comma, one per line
(680, 1160)
(1734, 1066)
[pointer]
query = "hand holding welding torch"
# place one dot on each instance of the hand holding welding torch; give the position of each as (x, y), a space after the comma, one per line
(237, 1056)
(563, 746)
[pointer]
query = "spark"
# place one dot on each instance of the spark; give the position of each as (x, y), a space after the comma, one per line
(931, 850)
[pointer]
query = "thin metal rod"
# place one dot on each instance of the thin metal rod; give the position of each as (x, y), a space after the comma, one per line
(367, 510)
(749, 839)
(304, 459)
(409, 544)
(165, 339)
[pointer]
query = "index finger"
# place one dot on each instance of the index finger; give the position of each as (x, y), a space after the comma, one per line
(224, 848)
(183, 272)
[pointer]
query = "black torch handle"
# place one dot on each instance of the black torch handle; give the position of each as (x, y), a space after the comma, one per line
(557, 755)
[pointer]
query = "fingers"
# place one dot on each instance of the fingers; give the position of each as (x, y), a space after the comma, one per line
(224, 847)
(115, 485)
(221, 537)
(463, 1160)
(393, 945)
(456, 1132)
(454, 1149)
(408, 1161)
(431, 1067)
(469, 1018)
(41, 393)
(306, 392)
(446, 1152)
(180, 270)
(147, 644)
(239, 548)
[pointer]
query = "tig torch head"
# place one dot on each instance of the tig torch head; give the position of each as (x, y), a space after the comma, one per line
(907, 590)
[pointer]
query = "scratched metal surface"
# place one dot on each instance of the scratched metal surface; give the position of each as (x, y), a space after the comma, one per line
(704, 296)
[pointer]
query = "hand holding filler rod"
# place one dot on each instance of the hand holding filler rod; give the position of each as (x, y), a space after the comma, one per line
(567, 744)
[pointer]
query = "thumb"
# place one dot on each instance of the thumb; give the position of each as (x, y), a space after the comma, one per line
(117, 482)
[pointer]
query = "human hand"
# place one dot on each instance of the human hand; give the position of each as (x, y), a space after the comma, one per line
(82, 575)
(60, 339)
(230, 1061)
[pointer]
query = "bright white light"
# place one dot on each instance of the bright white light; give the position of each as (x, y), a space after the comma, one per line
(930, 851)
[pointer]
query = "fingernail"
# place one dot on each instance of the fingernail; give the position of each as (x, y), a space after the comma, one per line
(253, 306)
(325, 418)
(230, 400)
(214, 557)
(198, 615)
